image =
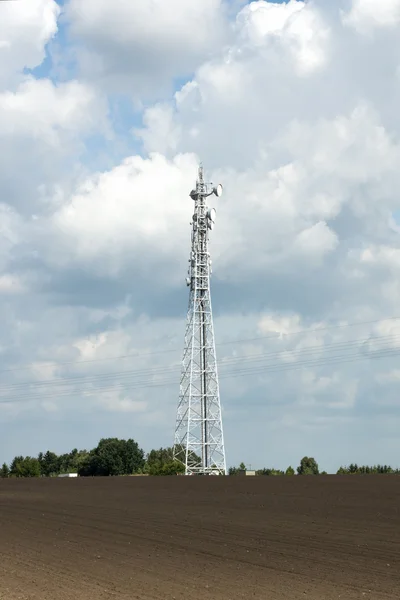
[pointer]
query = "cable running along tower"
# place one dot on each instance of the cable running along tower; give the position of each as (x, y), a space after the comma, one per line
(199, 439)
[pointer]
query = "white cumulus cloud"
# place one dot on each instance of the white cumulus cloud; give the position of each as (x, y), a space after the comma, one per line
(25, 28)
(294, 27)
(365, 15)
(140, 46)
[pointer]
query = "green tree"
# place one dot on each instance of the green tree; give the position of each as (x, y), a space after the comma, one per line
(270, 472)
(90, 466)
(162, 462)
(4, 471)
(52, 465)
(174, 467)
(235, 470)
(15, 470)
(78, 461)
(25, 467)
(113, 456)
(156, 459)
(289, 471)
(65, 463)
(308, 466)
(354, 469)
(132, 457)
(49, 464)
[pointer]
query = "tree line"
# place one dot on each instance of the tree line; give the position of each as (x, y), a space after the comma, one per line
(309, 466)
(113, 456)
(355, 469)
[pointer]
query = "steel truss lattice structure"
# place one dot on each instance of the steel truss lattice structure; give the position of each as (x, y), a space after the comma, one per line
(199, 438)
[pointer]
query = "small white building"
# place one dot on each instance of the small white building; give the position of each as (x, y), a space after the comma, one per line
(68, 475)
(248, 472)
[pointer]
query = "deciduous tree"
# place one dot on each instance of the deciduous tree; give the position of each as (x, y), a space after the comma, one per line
(25, 467)
(308, 466)
(113, 457)
(49, 464)
(270, 472)
(354, 469)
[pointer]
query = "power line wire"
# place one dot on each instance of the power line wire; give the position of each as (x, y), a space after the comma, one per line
(170, 351)
(384, 353)
(291, 354)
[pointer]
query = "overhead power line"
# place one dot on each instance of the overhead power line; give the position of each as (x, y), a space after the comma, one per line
(147, 383)
(288, 354)
(139, 355)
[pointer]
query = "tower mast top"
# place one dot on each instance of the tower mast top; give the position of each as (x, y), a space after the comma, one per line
(201, 173)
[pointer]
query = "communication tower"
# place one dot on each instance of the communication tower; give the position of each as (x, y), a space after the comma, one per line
(199, 438)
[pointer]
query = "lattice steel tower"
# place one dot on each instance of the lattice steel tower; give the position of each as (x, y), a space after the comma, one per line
(199, 438)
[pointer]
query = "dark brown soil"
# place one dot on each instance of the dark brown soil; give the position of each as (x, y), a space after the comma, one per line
(197, 538)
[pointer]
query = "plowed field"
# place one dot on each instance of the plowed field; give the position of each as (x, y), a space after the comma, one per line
(195, 538)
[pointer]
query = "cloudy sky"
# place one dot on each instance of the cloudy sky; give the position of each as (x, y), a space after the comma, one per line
(106, 109)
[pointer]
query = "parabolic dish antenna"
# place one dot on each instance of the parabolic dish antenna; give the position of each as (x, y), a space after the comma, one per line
(212, 213)
(218, 190)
